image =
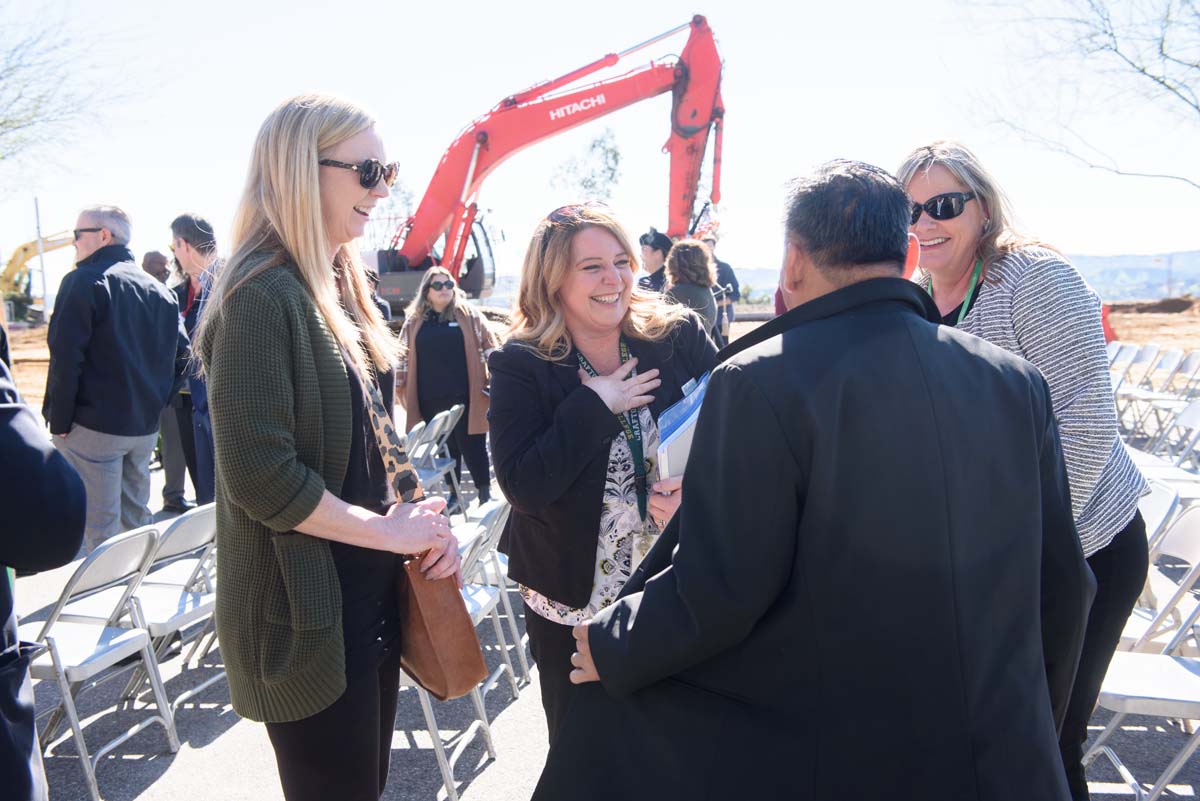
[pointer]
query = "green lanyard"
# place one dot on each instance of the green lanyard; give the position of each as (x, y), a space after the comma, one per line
(632, 425)
(966, 304)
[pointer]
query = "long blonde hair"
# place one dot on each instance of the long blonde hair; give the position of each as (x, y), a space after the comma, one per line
(999, 236)
(420, 303)
(278, 221)
(538, 320)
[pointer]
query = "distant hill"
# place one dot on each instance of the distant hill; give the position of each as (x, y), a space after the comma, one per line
(1134, 277)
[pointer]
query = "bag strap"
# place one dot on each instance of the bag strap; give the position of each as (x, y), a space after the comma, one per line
(399, 467)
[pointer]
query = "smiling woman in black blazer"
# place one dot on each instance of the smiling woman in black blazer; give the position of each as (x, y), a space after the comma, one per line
(590, 363)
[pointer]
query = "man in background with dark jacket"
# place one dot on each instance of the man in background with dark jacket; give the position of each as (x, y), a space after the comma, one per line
(116, 344)
(41, 527)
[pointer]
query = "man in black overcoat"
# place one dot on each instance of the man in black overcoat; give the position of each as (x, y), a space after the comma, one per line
(873, 587)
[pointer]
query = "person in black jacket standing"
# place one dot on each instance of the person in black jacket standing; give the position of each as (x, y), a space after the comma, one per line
(195, 249)
(43, 504)
(874, 586)
(116, 347)
(590, 364)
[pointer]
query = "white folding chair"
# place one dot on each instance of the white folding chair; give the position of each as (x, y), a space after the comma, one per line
(435, 465)
(1112, 349)
(168, 607)
(1157, 508)
(89, 648)
(1174, 616)
(1133, 401)
(1163, 406)
(489, 566)
(1149, 684)
(1139, 367)
(472, 539)
(413, 437)
(1122, 362)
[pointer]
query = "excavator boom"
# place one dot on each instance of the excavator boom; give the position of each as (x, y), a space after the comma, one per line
(14, 271)
(448, 206)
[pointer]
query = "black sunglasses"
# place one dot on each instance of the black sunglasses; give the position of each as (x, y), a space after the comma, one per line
(438, 286)
(79, 231)
(369, 172)
(945, 206)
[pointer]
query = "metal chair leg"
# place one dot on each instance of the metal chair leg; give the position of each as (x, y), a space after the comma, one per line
(438, 749)
(512, 674)
(512, 619)
(481, 713)
(67, 707)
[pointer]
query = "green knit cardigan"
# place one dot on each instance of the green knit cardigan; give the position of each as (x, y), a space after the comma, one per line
(279, 399)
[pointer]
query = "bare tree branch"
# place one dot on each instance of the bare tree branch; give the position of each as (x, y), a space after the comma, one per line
(1150, 49)
(1057, 146)
(42, 95)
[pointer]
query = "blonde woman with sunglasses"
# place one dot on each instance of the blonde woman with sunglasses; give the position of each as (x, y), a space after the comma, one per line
(1027, 298)
(297, 359)
(591, 362)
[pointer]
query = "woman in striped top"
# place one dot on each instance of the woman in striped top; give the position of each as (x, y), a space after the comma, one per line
(1027, 298)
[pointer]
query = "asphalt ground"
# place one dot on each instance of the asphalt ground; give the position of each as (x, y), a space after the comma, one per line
(225, 757)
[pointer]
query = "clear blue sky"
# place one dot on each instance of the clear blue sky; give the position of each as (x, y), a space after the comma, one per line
(804, 83)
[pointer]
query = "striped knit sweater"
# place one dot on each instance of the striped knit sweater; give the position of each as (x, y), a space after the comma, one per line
(1035, 304)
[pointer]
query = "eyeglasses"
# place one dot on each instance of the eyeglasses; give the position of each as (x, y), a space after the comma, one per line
(438, 286)
(945, 206)
(571, 214)
(369, 172)
(79, 231)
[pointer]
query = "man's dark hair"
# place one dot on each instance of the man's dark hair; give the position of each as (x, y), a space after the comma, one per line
(657, 240)
(196, 231)
(849, 214)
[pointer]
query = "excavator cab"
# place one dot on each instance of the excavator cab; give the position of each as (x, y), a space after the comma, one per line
(399, 281)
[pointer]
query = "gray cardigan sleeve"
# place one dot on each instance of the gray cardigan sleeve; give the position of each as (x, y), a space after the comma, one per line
(1056, 321)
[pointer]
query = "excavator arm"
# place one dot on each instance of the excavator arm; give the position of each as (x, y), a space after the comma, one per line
(529, 117)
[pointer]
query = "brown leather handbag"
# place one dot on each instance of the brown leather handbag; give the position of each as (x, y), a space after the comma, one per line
(439, 648)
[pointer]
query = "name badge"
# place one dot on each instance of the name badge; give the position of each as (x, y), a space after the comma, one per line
(452, 324)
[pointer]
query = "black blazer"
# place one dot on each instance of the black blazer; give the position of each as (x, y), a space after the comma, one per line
(117, 347)
(550, 442)
(41, 525)
(874, 588)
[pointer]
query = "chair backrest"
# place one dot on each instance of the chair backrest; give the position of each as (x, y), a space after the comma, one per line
(1157, 508)
(188, 533)
(414, 436)
(1165, 369)
(1143, 364)
(491, 524)
(1112, 349)
(1120, 366)
(1188, 374)
(421, 448)
(1181, 540)
(437, 432)
(124, 558)
(453, 415)
(1187, 424)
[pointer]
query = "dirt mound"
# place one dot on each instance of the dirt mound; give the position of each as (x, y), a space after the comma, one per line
(1164, 306)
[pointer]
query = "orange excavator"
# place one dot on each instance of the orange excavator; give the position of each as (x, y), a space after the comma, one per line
(449, 206)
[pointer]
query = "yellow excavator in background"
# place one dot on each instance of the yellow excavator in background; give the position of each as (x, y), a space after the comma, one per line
(14, 274)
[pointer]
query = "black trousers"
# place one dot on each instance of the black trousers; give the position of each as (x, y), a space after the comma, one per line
(1120, 570)
(344, 751)
(464, 447)
(551, 645)
(183, 413)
